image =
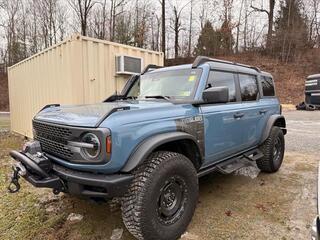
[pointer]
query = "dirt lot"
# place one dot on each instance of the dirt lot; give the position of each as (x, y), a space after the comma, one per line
(277, 206)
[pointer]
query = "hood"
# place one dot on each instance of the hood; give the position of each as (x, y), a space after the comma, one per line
(93, 114)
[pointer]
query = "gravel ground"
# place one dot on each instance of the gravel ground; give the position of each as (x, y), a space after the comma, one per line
(303, 131)
(246, 205)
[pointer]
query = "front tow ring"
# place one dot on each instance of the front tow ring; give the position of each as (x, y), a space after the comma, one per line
(14, 185)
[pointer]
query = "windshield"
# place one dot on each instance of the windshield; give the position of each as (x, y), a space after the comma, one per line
(177, 84)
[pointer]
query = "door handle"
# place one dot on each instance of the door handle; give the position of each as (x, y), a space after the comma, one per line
(238, 115)
(263, 111)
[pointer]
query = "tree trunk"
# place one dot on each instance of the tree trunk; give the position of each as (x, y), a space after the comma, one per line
(163, 42)
(270, 23)
(190, 29)
(238, 27)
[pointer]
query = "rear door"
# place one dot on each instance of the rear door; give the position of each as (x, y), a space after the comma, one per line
(254, 110)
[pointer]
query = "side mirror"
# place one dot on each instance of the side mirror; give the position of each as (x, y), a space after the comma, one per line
(216, 95)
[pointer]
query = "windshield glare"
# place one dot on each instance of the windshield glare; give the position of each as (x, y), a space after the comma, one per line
(179, 84)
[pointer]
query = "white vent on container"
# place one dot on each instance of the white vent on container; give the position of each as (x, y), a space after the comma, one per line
(128, 65)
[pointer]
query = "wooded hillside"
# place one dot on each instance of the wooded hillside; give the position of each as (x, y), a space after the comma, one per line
(4, 96)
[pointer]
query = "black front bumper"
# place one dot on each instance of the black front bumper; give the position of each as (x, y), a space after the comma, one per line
(62, 179)
(315, 230)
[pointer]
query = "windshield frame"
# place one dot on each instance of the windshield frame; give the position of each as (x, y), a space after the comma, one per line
(174, 98)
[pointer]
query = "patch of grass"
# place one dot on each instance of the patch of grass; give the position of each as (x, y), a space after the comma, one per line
(9, 142)
(21, 215)
(4, 122)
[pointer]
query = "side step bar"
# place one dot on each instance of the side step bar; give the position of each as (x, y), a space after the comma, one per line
(232, 164)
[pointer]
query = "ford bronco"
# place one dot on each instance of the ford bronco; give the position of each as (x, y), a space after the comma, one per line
(149, 145)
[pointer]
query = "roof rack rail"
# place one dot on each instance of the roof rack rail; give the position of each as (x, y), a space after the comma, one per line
(149, 68)
(202, 59)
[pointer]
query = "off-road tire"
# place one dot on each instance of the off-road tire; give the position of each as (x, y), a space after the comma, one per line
(269, 163)
(140, 206)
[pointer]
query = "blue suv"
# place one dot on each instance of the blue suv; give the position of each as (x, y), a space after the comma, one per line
(149, 145)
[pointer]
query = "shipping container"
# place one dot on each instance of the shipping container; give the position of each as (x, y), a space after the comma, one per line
(79, 70)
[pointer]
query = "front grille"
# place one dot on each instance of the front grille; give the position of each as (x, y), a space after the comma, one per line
(53, 139)
(50, 130)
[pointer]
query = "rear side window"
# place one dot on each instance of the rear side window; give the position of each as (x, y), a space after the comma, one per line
(267, 86)
(248, 87)
(223, 79)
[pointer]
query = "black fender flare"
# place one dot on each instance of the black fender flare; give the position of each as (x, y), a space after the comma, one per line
(271, 121)
(144, 149)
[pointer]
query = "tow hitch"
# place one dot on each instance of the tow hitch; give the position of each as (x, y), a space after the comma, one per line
(18, 170)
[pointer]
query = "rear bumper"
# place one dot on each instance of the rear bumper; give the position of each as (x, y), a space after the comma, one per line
(62, 179)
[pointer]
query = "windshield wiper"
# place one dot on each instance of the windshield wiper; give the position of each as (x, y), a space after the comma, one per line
(159, 97)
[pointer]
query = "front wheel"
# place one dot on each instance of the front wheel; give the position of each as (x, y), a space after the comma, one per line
(273, 150)
(162, 198)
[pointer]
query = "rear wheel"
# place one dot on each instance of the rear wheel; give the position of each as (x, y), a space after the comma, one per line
(273, 150)
(162, 197)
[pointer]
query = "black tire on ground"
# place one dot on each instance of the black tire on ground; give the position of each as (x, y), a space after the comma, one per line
(273, 150)
(162, 198)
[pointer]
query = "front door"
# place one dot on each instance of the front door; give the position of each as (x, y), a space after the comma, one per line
(223, 123)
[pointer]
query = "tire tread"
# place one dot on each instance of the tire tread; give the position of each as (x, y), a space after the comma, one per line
(132, 206)
(265, 164)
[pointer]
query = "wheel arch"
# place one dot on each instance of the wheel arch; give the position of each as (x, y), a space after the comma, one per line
(179, 142)
(274, 120)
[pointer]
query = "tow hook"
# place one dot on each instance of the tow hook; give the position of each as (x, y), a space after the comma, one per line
(18, 171)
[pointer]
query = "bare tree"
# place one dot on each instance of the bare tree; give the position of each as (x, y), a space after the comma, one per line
(116, 9)
(82, 9)
(47, 10)
(313, 20)
(270, 14)
(155, 31)
(9, 23)
(238, 26)
(163, 21)
(33, 27)
(140, 29)
(190, 29)
(177, 27)
(100, 22)
(62, 15)
(227, 40)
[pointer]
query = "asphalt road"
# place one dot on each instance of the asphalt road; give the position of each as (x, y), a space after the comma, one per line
(303, 131)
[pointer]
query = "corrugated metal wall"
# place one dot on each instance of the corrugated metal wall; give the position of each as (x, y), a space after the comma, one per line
(79, 70)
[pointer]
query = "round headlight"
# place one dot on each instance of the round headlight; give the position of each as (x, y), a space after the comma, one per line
(91, 152)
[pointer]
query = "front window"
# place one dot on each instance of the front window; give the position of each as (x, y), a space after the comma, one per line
(223, 79)
(175, 84)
